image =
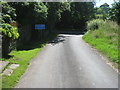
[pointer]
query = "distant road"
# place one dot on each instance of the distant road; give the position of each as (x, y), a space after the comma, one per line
(68, 62)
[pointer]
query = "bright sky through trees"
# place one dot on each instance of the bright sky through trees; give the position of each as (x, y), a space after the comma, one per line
(100, 2)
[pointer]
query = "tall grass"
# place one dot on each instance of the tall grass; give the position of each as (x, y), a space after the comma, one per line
(103, 35)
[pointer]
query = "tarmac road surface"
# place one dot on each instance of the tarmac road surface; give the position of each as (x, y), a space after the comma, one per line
(68, 62)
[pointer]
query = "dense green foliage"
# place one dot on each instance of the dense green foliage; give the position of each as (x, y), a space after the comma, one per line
(75, 17)
(8, 13)
(30, 12)
(52, 14)
(8, 16)
(114, 13)
(94, 24)
(104, 38)
(9, 31)
(109, 13)
(102, 11)
(101, 14)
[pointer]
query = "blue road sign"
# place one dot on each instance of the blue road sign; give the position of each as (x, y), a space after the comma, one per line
(40, 26)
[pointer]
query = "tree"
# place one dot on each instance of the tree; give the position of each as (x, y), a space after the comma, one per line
(81, 12)
(75, 17)
(54, 14)
(9, 32)
(8, 13)
(102, 11)
(29, 14)
(65, 16)
(26, 14)
(114, 13)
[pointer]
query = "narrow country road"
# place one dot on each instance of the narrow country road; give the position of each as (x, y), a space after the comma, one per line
(68, 62)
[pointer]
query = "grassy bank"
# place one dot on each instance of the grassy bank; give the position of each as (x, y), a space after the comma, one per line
(103, 35)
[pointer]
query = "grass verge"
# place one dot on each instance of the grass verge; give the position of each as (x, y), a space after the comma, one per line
(104, 38)
(21, 57)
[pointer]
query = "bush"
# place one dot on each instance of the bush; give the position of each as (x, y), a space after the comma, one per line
(9, 34)
(9, 31)
(94, 24)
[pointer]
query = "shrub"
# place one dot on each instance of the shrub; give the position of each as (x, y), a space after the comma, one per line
(9, 34)
(9, 31)
(94, 24)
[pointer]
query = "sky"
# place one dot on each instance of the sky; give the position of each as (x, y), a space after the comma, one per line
(100, 2)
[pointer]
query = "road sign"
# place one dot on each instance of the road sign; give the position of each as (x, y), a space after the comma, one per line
(40, 26)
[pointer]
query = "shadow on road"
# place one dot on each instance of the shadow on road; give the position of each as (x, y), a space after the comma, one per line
(62, 35)
(57, 40)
